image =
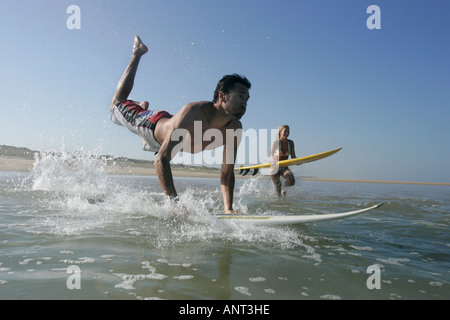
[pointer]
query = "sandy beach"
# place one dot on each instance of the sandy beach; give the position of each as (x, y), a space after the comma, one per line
(15, 164)
(147, 169)
(19, 164)
(150, 171)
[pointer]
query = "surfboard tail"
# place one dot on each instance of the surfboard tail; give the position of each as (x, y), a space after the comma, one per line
(244, 172)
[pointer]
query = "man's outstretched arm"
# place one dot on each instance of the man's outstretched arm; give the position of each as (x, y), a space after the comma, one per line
(227, 178)
(163, 169)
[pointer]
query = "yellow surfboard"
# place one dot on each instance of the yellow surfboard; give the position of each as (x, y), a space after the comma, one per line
(290, 162)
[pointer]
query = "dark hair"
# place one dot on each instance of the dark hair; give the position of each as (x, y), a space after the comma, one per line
(227, 83)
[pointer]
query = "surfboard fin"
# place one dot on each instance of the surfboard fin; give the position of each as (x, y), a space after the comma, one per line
(95, 200)
(243, 172)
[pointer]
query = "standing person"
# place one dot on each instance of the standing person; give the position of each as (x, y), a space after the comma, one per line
(282, 148)
(160, 131)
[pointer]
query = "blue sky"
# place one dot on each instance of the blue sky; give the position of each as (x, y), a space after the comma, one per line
(382, 95)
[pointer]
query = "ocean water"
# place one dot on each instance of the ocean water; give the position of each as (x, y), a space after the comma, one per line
(70, 231)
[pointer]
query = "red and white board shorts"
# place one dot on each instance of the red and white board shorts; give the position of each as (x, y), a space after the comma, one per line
(129, 114)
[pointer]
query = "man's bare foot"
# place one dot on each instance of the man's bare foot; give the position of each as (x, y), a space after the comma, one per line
(233, 212)
(139, 47)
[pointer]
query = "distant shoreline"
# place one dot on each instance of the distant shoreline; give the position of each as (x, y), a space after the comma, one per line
(26, 165)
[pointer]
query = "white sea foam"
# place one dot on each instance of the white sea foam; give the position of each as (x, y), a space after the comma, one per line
(436, 283)
(184, 277)
(257, 279)
(82, 260)
(243, 291)
(330, 297)
(128, 280)
(393, 261)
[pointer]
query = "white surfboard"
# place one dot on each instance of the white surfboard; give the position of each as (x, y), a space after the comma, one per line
(292, 219)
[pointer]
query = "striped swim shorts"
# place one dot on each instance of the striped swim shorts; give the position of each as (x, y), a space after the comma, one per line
(129, 114)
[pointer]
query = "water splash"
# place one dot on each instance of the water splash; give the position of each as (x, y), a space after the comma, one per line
(73, 173)
(79, 197)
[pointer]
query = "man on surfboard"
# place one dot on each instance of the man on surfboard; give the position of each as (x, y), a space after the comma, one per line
(282, 148)
(160, 131)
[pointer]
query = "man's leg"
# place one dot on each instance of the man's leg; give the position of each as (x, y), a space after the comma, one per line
(125, 85)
